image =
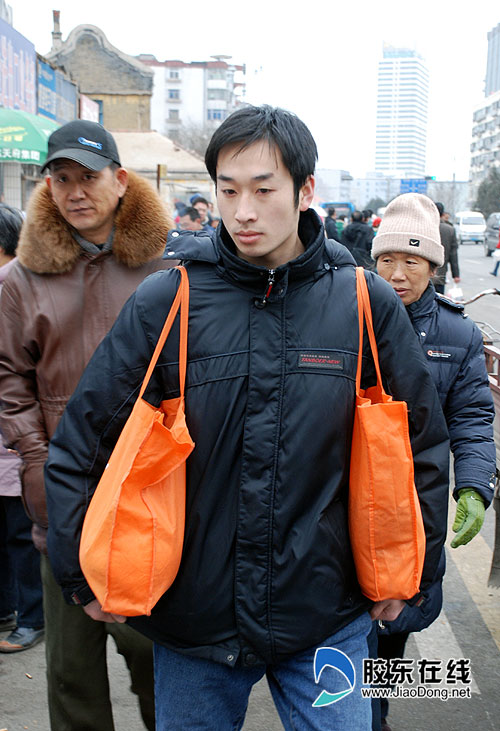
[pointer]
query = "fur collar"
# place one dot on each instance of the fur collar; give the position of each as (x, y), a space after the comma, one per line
(46, 245)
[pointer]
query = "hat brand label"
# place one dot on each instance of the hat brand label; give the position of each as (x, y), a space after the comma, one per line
(90, 143)
(414, 242)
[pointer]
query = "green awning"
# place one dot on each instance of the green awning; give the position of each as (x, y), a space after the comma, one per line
(23, 136)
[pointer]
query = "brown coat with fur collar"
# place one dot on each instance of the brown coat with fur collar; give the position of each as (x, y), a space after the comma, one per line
(58, 303)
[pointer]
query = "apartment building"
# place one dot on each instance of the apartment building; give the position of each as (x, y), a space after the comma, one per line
(201, 93)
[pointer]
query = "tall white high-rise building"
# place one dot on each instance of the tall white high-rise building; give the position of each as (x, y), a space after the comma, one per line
(492, 82)
(402, 98)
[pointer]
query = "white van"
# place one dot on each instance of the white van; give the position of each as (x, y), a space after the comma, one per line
(470, 226)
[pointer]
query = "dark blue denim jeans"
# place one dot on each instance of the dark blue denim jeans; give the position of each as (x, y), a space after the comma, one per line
(20, 580)
(194, 693)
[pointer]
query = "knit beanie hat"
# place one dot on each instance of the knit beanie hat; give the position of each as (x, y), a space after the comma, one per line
(411, 226)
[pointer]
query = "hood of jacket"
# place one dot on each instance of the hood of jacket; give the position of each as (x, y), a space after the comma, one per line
(47, 246)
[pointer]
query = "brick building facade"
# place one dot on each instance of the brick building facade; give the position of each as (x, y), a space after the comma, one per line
(121, 85)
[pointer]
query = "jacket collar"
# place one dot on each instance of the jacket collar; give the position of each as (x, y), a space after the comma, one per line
(47, 245)
(426, 305)
(312, 235)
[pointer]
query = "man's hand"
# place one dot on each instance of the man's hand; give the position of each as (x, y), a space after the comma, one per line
(469, 517)
(39, 538)
(389, 609)
(456, 279)
(93, 609)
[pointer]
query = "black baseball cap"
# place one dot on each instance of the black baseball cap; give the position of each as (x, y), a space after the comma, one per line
(85, 142)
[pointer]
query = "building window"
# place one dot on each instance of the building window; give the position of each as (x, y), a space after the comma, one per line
(173, 115)
(215, 114)
(217, 94)
(99, 103)
(173, 74)
(174, 94)
(216, 74)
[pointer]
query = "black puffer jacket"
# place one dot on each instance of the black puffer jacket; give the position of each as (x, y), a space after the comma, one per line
(267, 568)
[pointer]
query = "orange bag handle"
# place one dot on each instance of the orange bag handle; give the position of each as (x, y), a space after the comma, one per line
(181, 300)
(365, 313)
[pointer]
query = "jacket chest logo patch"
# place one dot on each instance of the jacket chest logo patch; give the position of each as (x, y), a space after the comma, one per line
(321, 361)
(438, 354)
(414, 242)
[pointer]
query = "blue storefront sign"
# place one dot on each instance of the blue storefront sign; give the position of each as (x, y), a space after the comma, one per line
(57, 96)
(413, 185)
(17, 70)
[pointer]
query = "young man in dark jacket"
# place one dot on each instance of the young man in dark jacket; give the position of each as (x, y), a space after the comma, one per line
(267, 576)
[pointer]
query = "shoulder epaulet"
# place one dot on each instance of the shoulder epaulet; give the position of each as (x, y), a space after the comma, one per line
(449, 304)
(191, 246)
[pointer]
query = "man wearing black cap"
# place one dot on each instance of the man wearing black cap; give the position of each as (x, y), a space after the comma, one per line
(93, 232)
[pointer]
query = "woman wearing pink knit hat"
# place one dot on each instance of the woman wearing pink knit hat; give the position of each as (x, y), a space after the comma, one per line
(408, 250)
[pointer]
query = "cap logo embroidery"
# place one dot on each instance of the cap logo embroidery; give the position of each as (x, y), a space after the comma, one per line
(90, 143)
(414, 242)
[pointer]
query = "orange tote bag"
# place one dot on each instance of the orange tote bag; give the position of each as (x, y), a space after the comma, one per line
(385, 520)
(133, 532)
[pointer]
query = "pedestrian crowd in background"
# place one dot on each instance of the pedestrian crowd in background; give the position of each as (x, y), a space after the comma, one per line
(205, 210)
(266, 543)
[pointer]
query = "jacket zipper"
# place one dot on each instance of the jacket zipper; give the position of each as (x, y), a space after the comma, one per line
(270, 285)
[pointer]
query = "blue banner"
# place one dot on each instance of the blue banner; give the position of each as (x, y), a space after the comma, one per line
(57, 97)
(17, 70)
(413, 185)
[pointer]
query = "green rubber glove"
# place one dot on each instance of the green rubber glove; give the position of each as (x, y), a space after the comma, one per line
(469, 517)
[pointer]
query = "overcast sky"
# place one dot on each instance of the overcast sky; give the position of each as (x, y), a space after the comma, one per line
(318, 59)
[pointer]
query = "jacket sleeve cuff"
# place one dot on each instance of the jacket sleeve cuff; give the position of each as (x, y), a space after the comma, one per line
(485, 491)
(32, 447)
(416, 600)
(81, 596)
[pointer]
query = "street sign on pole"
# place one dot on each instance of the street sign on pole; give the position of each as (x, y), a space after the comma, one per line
(413, 185)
